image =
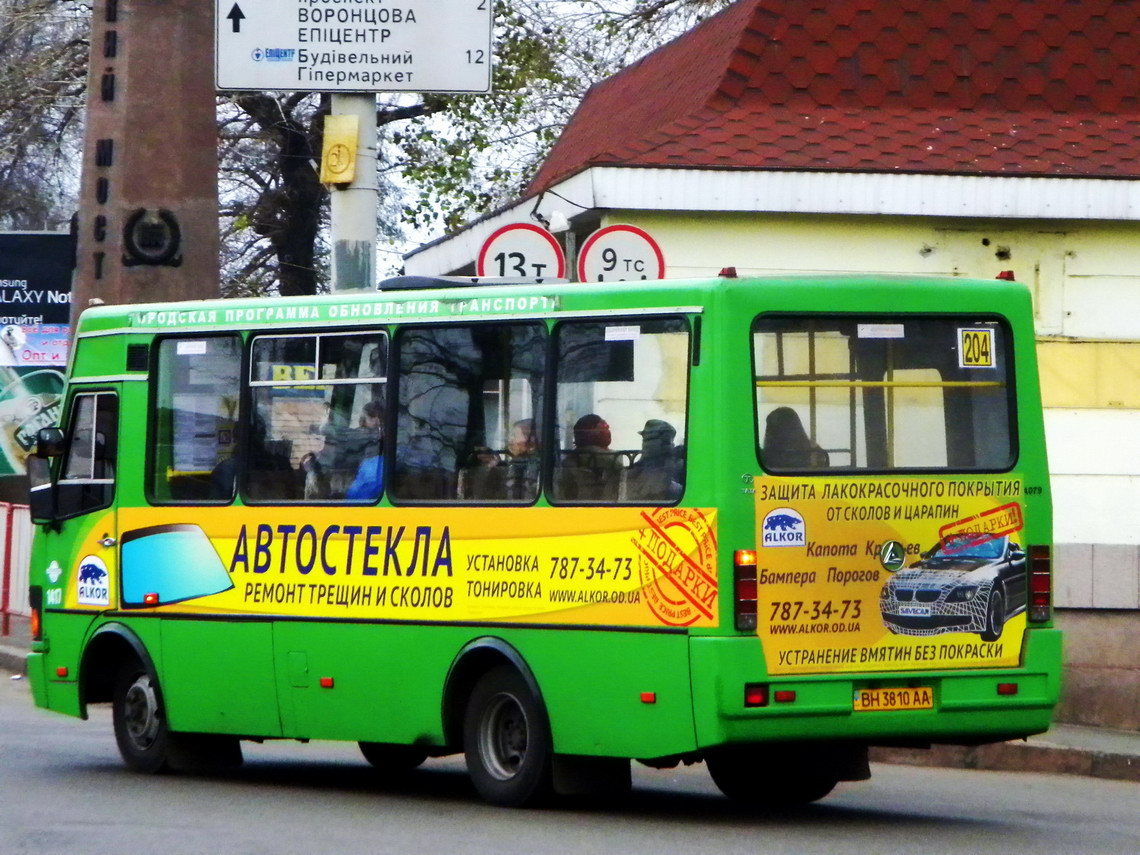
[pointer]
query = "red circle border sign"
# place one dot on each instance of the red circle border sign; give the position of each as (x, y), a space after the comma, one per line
(547, 236)
(583, 254)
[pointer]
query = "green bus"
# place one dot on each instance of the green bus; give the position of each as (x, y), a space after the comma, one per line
(763, 523)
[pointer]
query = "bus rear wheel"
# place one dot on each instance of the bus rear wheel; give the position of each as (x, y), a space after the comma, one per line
(506, 740)
(140, 721)
(768, 779)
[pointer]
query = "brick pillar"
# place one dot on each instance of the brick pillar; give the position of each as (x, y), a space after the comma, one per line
(148, 208)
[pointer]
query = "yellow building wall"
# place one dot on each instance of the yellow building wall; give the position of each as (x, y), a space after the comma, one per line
(1078, 374)
(1084, 275)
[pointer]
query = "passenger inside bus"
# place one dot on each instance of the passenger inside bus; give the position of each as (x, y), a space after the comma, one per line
(513, 476)
(522, 462)
(590, 472)
(269, 474)
(369, 480)
(482, 476)
(787, 445)
(655, 476)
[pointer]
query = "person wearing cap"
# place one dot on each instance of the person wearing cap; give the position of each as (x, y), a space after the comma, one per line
(657, 439)
(592, 434)
(591, 471)
(654, 477)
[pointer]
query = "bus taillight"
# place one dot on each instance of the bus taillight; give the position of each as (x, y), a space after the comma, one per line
(1040, 583)
(744, 588)
(36, 602)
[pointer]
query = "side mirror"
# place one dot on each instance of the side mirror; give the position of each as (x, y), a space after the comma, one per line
(50, 442)
(1016, 555)
(41, 499)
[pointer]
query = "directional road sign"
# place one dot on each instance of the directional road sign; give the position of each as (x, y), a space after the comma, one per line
(354, 45)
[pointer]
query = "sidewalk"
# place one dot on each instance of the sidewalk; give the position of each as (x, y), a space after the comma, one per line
(15, 646)
(1066, 749)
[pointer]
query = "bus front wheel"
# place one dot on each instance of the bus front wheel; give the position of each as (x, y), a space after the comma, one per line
(140, 721)
(506, 740)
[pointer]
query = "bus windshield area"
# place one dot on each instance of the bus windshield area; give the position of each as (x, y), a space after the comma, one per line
(882, 393)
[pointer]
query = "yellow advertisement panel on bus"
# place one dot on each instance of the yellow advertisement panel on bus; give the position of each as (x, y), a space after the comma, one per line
(889, 574)
(633, 567)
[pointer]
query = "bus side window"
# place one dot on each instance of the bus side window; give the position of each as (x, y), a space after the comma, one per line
(195, 421)
(622, 402)
(87, 477)
(318, 412)
(466, 421)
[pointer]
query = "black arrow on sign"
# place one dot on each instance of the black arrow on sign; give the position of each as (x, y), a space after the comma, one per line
(236, 15)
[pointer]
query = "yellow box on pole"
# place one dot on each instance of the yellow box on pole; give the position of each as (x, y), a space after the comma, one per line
(338, 154)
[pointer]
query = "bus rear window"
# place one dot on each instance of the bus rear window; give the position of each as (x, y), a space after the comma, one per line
(882, 393)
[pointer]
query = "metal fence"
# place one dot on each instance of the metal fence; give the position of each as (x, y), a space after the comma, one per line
(16, 537)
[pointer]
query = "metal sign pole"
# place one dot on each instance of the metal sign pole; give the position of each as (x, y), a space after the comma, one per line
(354, 204)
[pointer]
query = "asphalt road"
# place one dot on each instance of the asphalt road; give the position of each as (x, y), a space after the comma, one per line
(63, 790)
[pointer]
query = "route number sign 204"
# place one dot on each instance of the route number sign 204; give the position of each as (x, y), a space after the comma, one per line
(976, 348)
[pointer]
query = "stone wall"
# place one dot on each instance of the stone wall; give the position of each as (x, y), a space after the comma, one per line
(1101, 682)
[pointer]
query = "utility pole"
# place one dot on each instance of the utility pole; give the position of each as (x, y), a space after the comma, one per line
(353, 205)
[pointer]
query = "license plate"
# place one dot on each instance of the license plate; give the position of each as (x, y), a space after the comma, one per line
(915, 611)
(880, 700)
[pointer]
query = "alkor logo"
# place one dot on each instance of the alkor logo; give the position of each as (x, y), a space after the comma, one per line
(783, 527)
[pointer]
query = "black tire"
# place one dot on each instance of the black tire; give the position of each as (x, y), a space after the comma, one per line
(506, 739)
(751, 777)
(391, 758)
(995, 616)
(139, 719)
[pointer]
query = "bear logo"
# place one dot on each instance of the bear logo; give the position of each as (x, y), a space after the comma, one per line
(93, 588)
(783, 527)
(92, 573)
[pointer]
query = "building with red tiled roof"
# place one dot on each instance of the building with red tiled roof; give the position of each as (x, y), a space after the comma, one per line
(958, 108)
(976, 87)
(947, 137)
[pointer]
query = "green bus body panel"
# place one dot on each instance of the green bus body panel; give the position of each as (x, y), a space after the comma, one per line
(217, 676)
(36, 669)
(388, 682)
(261, 677)
(966, 703)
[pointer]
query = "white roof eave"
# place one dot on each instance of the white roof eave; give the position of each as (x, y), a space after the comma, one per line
(799, 192)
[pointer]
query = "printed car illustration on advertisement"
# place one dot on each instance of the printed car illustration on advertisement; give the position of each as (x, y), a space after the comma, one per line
(966, 583)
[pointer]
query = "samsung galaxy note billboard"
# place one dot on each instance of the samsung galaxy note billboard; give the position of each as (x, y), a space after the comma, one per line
(35, 297)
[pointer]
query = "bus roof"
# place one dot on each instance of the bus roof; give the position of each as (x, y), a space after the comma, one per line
(800, 292)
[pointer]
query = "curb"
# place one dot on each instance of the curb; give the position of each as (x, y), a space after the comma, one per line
(13, 659)
(1018, 757)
